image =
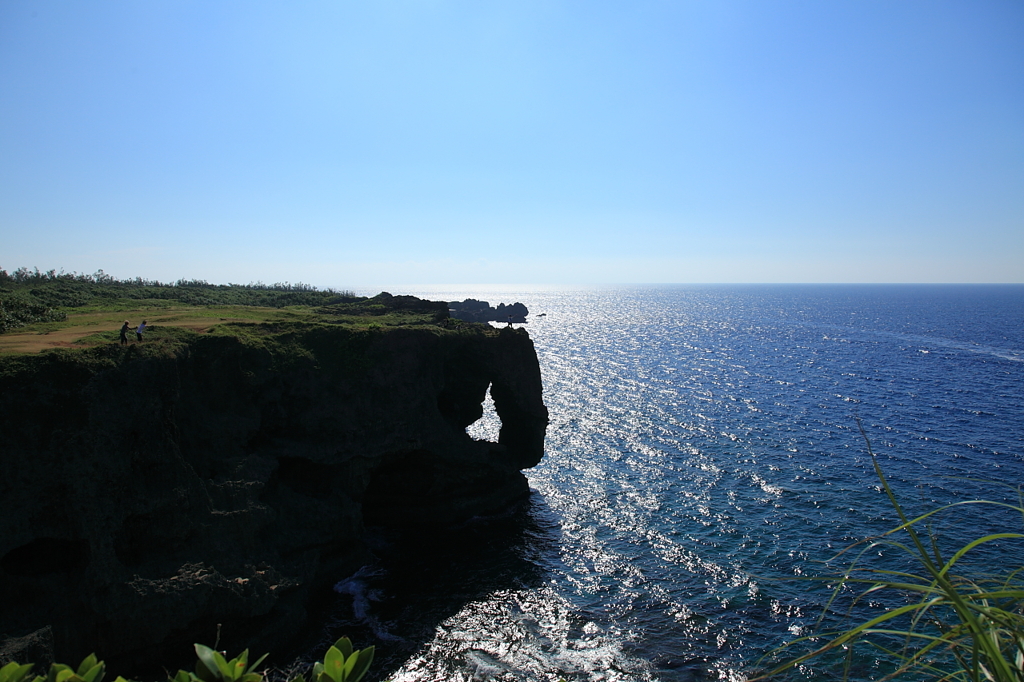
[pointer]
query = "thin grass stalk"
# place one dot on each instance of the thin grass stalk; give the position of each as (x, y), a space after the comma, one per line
(987, 612)
(981, 645)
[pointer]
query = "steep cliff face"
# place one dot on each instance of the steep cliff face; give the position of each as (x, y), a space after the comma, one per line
(149, 494)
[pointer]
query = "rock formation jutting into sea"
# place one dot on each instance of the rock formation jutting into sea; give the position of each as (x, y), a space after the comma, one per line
(148, 497)
(472, 310)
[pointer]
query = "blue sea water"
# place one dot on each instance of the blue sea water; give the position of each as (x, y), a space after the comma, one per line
(703, 455)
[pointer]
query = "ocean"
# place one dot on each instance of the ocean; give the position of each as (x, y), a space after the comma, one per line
(704, 459)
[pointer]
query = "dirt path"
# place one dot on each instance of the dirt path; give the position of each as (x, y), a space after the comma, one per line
(80, 326)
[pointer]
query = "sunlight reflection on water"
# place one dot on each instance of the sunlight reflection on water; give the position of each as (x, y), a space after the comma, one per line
(703, 445)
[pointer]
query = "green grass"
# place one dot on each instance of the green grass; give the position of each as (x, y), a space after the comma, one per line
(29, 298)
(45, 310)
(951, 625)
(97, 314)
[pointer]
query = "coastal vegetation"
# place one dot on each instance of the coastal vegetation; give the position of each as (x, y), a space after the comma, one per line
(341, 663)
(941, 622)
(56, 290)
(41, 310)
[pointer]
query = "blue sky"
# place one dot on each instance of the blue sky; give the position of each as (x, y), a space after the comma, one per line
(394, 143)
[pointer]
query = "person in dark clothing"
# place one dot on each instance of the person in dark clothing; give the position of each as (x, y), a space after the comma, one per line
(124, 333)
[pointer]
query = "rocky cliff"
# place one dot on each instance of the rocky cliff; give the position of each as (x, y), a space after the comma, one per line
(152, 492)
(472, 310)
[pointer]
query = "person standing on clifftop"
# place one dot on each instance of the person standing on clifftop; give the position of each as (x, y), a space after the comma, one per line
(509, 320)
(138, 331)
(124, 333)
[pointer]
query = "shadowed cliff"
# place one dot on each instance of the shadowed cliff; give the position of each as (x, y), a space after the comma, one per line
(151, 492)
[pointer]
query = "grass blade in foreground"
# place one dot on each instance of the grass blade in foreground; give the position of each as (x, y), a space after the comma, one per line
(952, 627)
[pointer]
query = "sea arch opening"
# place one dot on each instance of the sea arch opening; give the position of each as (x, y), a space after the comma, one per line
(488, 426)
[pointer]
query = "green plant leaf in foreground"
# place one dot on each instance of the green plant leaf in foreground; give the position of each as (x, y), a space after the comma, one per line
(211, 666)
(12, 672)
(341, 663)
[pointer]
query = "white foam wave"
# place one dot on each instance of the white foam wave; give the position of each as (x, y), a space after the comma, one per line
(357, 586)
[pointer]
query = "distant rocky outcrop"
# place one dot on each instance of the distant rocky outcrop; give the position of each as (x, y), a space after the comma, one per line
(472, 310)
(149, 495)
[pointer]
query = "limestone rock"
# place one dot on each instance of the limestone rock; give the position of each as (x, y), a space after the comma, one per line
(149, 496)
(472, 310)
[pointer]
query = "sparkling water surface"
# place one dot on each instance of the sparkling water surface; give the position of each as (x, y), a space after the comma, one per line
(703, 453)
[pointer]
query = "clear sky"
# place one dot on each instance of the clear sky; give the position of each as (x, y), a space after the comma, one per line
(431, 141)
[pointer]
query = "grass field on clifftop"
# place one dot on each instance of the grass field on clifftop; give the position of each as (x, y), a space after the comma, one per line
(40, 311)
